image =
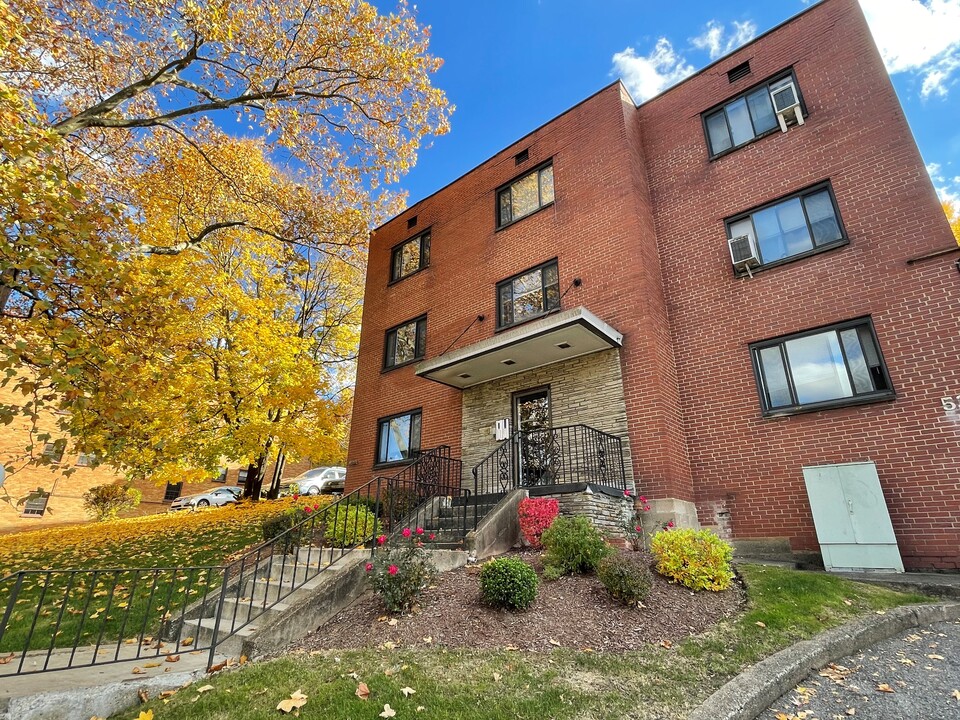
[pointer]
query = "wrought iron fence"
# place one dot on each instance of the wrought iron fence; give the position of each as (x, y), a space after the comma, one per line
(552, 456)
(58, 619)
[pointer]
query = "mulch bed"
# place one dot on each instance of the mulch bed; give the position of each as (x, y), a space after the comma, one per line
(573, 612)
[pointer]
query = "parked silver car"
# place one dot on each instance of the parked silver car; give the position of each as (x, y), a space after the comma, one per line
(320, 480)
(218, 496)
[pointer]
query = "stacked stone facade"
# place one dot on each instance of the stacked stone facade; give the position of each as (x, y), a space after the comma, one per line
(639, 217)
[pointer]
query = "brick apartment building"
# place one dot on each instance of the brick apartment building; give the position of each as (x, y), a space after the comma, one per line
(785, 398)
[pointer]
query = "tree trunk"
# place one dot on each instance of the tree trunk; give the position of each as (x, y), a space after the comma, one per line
(274, 492)
(255, 474)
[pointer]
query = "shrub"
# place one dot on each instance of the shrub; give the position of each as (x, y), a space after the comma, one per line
(697, 559)
(274, 527)
(350, 525)
(573, 545)
(105, 502)
(626, 576)
(400, 573)
(508, 583)
(536, 515)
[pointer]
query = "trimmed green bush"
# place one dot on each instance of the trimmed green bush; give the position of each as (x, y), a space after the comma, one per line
(508, 583)
(350, 525)
(697, 559)
(626, 576)
(277, 525)
(573, 545)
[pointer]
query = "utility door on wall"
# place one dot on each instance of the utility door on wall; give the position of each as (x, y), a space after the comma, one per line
(531, 411)
(851, 518)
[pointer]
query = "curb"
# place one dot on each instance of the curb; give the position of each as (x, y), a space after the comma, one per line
(754, 690)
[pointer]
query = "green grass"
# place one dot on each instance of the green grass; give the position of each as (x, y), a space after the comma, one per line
(654, 683)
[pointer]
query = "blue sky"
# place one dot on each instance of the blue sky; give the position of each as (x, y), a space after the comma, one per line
(511, 65)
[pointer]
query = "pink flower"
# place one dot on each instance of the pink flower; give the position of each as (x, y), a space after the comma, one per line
(646, 507)
(381, 540)
(406, 532)
(638, 528)
(670, 524)
(369, 567)
(316, 506)
(626, 493)
(392, 569)
(308, 509)
(433, 536)
(642, 499)
(419, 531)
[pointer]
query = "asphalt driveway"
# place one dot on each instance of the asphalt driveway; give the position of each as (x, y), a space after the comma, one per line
(912, 676)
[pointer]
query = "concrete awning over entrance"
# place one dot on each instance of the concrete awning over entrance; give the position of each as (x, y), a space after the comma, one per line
(550, 339)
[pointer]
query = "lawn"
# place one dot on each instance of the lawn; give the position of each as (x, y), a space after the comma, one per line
(113, 599)
(783, 606)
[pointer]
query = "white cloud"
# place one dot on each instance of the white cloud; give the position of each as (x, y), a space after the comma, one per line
(948, 189)
(918, 37)
(648, 75)
(714, 38)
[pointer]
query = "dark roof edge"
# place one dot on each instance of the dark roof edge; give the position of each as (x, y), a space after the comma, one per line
(702, 70)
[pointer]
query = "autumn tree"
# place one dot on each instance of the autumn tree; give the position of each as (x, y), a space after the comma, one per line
(149, 250)
(953, 217)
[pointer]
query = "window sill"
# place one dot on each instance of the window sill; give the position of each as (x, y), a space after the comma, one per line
(401, 365)
(528, 215)
(830, 405)
(408, 275)
(843, 242)
(394, 464)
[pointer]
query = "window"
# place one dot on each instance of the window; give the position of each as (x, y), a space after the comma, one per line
(87, 460)
(242, 476)
(410, 256)
(53, 451)
(524, 196)
(222, 477)
(528, 295)
(172, 491)
(840, 365)
(405, 343)
(398, 437)
(799, 225)
(745, 118)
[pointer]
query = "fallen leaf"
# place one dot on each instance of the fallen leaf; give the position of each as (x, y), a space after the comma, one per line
(152, 665)
(666, 644)
(851, 711)
(428, 639)
(138, 670)
(205, 688)
(956, 695)
(143, 696)
(167, 693)
(554, 642)
(6, 659)
(496, 677)
(760, 624)
(934, 656)
(218, 667)
(847, 602)
(420, 708)
(293, 703)
(186, 642)
(172, 658)
(407, 691)
(145, 715)
(363, 692)
(883, 687)
(388, 712)
(389, 645)
(511, 647)
(391, 622)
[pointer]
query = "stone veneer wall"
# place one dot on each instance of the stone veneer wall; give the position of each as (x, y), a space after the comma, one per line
(587, 390)
(608, 514)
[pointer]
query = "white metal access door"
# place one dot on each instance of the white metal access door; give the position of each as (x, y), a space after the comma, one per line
(851, 518)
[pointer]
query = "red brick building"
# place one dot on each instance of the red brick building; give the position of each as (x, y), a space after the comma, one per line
(599, 252)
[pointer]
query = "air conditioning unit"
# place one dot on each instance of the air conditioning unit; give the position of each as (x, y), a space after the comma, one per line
(786, 103)
(743, 252)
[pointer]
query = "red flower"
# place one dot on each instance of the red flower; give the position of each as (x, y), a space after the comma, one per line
(308, 509)
(670, 524)
(296, 496)
(369, 567)
(626, 493)
(642, 499)
(381, 540)
(419, 531)
(316, 506)
(638, 528)
(392, 569)
(406, 532)
(433, 536)
(646, 507)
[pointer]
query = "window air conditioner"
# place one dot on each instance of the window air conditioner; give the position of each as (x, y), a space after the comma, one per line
(743, 253)
(786, 103)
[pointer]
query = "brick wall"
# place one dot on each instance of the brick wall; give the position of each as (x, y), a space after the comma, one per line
(855, 136)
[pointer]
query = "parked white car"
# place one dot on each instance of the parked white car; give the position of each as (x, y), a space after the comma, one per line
(321, 480)
(217, 496)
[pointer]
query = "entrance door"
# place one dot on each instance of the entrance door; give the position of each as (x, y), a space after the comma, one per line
(531, 416)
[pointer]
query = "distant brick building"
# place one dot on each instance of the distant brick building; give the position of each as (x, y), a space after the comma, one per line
(65, 502)
(748, 278)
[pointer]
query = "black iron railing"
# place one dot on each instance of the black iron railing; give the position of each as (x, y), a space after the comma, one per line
(58, 619)
(552, 456)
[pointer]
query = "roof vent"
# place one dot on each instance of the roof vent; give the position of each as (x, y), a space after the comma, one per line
(563, 345)
(521, 156)
(740, 71)
(412, 222)
(509, 362)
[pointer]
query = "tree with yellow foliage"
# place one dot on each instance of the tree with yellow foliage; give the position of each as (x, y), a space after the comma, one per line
(172, 288)
(953, 217)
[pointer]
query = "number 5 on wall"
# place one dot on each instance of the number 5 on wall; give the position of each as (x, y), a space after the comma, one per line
(950, 403)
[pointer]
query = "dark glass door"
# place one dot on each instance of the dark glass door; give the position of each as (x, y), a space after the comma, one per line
(531, 416)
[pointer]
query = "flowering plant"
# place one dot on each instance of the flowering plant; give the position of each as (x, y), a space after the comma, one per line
(536, 515)
(633, 528)
(400, 573)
